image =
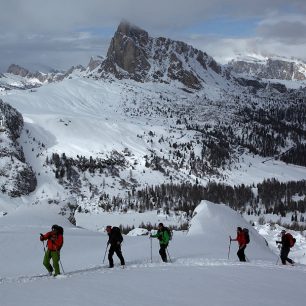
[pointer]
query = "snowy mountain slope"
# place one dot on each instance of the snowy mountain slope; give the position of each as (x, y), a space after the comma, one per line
(199, 271)
(85, 117)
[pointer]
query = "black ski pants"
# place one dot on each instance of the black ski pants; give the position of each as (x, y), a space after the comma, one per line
(115, 249)
(162, 252)
(241, 254)
(284, 255)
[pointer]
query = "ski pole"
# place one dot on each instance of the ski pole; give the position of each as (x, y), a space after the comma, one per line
(168, 255)
(151, 249)
(229, 247)
(44, 247)
(278, 258)
(60, 262)
(43, 243)
(105, 253)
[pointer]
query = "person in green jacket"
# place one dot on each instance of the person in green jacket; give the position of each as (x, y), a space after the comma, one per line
(163, 236)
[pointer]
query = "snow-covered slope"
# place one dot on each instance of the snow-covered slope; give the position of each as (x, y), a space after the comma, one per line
(85, 117)
(215, 223)
(200, 270)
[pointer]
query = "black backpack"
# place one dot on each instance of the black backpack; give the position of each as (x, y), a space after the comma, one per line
(117, 233)
(246, 235)
(59, 229)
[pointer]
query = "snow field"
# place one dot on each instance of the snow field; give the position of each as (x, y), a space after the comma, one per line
(199, 273)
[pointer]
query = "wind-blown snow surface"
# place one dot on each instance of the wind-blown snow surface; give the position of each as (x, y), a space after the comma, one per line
(200, 273)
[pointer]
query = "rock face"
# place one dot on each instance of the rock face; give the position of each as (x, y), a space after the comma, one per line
(271, 69)
(16, 176)
(134, 54)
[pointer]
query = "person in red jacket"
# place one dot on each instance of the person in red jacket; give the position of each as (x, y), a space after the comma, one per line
(241, 242)
(54, 245)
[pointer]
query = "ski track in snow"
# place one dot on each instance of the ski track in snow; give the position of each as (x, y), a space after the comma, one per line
(175, 263)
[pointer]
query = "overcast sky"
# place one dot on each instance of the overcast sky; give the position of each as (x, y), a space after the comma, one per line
(43, 34)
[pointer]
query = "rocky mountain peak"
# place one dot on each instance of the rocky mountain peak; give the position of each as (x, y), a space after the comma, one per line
(127, 53)
(133, 54)
(17, 70)
(137, 34)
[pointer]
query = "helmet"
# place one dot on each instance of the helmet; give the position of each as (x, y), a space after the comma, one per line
(54, 227)
(108, 228)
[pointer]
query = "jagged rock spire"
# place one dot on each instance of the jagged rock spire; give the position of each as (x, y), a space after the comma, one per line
(134, 54)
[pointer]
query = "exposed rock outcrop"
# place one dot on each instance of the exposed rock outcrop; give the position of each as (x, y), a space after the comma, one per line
(270, 69)
(16, 176)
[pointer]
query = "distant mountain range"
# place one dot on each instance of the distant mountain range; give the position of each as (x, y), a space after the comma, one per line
(269, 68)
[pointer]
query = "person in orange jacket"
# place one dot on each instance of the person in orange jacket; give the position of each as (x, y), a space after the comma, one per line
(54, 245)
(241, 242)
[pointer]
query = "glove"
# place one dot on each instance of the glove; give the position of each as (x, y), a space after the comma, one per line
(41, 237)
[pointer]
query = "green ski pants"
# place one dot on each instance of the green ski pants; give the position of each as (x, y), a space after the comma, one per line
(55, 259)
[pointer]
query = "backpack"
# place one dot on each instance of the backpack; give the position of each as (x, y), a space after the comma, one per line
(117, 233)
(290, 239)
(246, 235)
(59, 229)
(170, 233)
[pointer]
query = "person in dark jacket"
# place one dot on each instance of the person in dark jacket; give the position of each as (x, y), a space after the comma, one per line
(115, 239)
(241, 243)
(163, 236)
(285, 248)
(54, 245)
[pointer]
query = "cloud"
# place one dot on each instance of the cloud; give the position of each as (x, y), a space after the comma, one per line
(289, 29)
(58, 15)
(60, 33)
(48, 51)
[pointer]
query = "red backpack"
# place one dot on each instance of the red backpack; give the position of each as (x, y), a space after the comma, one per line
(290, 239)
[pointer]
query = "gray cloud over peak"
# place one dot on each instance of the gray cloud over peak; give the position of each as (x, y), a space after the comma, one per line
(57, 15)
(60, 33)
